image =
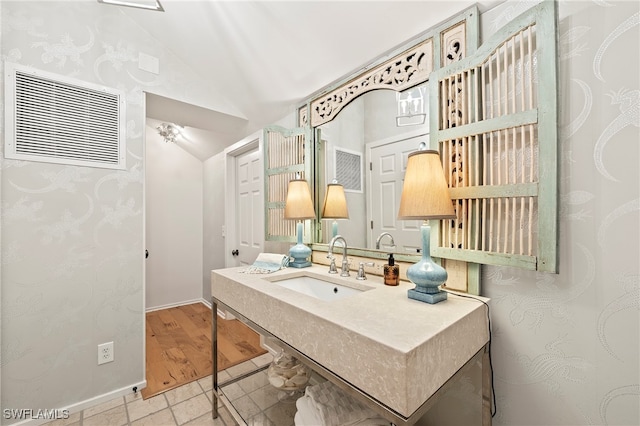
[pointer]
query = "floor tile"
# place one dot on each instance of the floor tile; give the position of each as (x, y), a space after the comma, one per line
(191, 409)
(88, 412)
(240, 369)
(207, 383)
(114, 417)
(183, 392)
(143, 407)
(160, 418)
(74, 419)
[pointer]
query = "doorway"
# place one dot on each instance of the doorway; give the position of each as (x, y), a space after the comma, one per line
(244, 201)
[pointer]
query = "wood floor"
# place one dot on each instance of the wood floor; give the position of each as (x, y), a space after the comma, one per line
(178, 346)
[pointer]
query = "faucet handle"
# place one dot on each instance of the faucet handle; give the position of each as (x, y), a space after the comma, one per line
(361, 274)
(332, 266)
(345, 267)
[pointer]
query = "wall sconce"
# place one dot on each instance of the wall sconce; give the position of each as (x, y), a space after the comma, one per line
(299, 206)
(411, 106)
(335, 205)
(169, 131)
(425, 196)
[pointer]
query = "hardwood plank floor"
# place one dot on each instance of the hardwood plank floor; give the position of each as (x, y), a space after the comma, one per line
(178, 346)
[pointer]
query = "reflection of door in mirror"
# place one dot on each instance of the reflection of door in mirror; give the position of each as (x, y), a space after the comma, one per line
(386, 175)
(369, 121)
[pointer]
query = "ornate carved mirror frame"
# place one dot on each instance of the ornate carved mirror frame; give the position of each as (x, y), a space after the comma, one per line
(401, 68)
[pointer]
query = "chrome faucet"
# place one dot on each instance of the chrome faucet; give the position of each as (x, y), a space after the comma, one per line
(345, 262)
(380, 238)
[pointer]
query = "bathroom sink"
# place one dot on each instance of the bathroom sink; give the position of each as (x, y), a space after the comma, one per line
(317, 287)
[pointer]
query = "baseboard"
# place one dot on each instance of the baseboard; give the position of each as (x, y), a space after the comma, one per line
(222, 314)
(88, 403)
(175, 305)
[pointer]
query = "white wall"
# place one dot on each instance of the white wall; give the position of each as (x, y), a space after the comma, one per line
(174, 225)
(72, 237)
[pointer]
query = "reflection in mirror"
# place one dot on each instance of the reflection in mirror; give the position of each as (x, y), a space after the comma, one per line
(335, 205)
(365, 149)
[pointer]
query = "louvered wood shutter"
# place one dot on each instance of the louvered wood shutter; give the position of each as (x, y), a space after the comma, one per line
(286, 153)
(57, 119)
(495, 124)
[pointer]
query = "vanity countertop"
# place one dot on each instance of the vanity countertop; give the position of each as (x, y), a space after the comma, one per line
(398, 350)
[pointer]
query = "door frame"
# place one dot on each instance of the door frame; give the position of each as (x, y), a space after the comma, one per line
(251, 142)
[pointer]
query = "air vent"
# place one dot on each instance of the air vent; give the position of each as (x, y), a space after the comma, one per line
(349, 169)
(60, 120)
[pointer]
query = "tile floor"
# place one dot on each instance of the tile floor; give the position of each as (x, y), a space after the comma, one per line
(189, 404)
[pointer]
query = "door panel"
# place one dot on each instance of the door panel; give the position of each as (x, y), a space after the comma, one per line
(388, 164)
(249, 210)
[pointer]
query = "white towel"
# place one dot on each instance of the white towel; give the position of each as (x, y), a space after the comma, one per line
(336, 408)
(266, 263)
(306, 415)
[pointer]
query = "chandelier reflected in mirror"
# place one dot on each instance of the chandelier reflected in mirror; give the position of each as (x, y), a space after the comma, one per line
(412, 108)
(169, 131)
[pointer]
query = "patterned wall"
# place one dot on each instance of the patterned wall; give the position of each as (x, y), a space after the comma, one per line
(566, 346)
(72, 237)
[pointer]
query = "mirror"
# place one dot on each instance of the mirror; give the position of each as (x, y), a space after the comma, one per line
(365, 126)
(365, 148)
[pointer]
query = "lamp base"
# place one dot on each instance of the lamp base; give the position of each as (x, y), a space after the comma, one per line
(299, 253)
(431, 298)
(426, 274)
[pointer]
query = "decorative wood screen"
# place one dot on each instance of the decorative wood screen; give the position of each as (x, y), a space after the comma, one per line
(285, 154)
(496, 129)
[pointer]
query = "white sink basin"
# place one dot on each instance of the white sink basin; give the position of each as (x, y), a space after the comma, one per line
(318, 288)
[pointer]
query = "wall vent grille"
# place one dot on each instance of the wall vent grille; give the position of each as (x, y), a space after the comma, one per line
(59, 120)
(349, 169)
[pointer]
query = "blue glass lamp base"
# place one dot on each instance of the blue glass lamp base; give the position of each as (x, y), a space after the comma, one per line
(431, 298)
(426, 274)
(299, 253)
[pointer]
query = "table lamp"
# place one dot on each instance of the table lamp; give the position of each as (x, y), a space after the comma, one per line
(335, 205)
(299, 206)
(425, 196)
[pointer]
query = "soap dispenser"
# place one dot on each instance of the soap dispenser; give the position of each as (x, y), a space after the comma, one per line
(391, 272)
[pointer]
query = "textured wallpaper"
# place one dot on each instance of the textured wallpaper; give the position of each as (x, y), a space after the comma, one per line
(566, 346)
(72, 237)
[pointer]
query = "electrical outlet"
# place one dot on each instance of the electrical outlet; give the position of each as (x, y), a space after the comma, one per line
(105, 353)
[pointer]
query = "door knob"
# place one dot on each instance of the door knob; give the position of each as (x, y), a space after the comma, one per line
(146, 254)
(235, 252)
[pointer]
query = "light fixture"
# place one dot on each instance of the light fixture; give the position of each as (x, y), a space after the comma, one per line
(411, 106)
(425, 196)
(335, 205)
(169, 131)
(299, 206)
(140, 4)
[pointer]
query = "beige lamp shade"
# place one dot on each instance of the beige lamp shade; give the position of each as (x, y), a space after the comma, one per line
(425, 194)
(335, 203)
(299, 204)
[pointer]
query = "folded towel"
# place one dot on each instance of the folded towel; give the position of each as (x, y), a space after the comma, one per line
(337, 408)
(266, 263)
(306, 415)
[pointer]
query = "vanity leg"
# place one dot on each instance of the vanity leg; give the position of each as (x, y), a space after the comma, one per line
(486, 387)
(214, 358)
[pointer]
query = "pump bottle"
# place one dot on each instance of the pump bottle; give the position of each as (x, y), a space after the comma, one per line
(391, 272)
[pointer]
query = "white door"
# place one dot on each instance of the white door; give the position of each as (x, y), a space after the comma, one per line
(249, 211)
(388, 165)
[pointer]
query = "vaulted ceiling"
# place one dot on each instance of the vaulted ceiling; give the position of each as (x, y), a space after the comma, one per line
(264, 57)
